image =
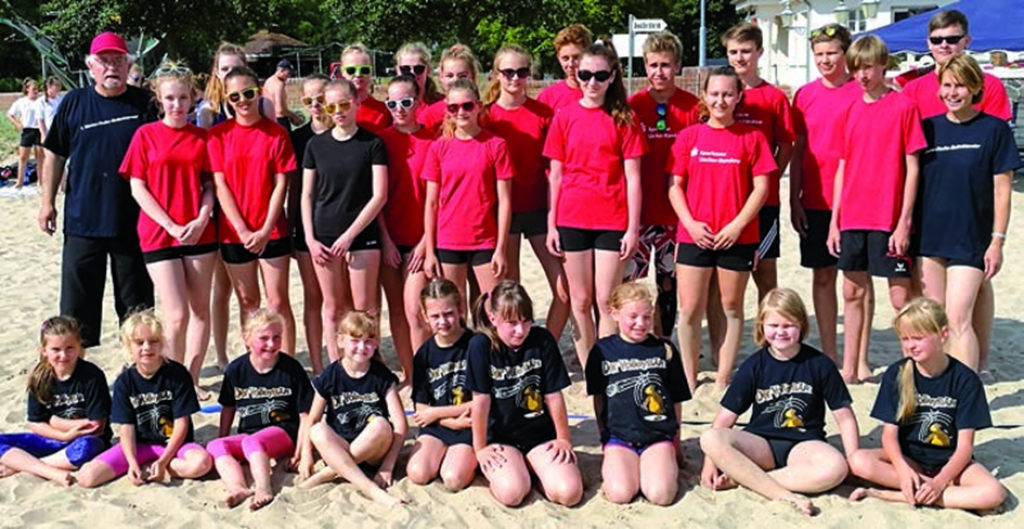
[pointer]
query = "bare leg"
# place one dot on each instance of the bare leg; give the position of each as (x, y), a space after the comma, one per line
(171, 286)
(199, 278)
(659, 474)
(854, 293)
(335, 452)
(17, 460)
(276, 280)
(312, 311)
(608, 270)
(692, 285)
(732, 286)
(337, 302)
(558, 313)
(984, 319)
(394, 286)
(826, 308)
(220, 312)
(766, 277)
(579, 270)
(962, 288)
(620, 474)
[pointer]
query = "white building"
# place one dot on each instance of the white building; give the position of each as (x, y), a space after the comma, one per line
(787, 25)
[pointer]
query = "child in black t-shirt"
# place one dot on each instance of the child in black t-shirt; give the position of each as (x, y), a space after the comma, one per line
(363, 424)
(782, 453)
(637, 381)
(154, 399)
(68, 406)
(930, 405)
(520, 424)
(271, 394)
(445, 443)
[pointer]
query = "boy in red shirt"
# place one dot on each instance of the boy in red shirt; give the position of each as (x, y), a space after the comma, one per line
(874, 191)
(569, 46)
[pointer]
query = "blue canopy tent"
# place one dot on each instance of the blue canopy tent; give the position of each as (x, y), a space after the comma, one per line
(994, 25)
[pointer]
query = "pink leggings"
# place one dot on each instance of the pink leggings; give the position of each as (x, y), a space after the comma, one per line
(144, 454)
(271, 440)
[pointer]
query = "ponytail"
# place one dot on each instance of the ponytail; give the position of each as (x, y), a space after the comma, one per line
(923, 316)
(908, 392)
(40, 382)
(493, 91)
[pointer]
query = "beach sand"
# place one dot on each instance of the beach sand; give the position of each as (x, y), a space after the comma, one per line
(29, 287)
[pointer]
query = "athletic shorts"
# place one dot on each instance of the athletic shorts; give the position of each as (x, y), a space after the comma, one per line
(235, 253)
(461, 257)
(178, 252)
(448, 436)
(953, 261)
(657, 247)
(30, 138)
(638, 448)
(738, 257)
(79, 451)
(579, 240)
(144, 454)
(524, 445)
(814, 252)
(768, 225)
(363, 241)
(780, 450)
(868, 251)
(529, 223)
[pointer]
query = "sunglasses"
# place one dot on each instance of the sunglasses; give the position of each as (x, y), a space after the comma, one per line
(599, 76)
(468, 106)
(405, 102)
(359, 70)
(410, 70)
(827, 31)
(308, 101)
(340, 106)
(244, 95)
(509, 73)
(662, 123)
(174, 69)
(951, 39)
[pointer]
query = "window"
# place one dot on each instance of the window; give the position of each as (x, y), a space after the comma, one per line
(901, 13)
(858, 22)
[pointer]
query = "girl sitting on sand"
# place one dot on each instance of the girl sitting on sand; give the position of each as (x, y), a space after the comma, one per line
(782, 453)
(520, 424)
(930, 405)
(637, 382)
(68, 405)
(365, 423)
(271, 394)
(154, 400)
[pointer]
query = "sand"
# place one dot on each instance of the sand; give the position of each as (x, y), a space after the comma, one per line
(29, 286)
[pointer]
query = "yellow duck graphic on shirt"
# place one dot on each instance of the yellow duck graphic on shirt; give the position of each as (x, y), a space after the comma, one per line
(653, 401)
(936, 436)
(458, 396)
(792, 420)
(278, 416)
(531, 400)
(166, 427)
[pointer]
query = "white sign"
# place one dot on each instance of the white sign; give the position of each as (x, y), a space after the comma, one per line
(648, 25)
(621, 43)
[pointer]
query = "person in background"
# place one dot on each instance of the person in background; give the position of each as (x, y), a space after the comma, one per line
(569, 46)
(276, 90)
(27, 117)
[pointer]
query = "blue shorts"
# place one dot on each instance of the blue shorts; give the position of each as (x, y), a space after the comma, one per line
(448, 436)
(639, 448)
(79, 452)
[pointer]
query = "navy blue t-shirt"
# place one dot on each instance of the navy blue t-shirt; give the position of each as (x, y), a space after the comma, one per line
(353, 402)
(84, 395)
(152, 404)
(93, 132)
(641, 382)
(439, 379)
(788, 396)
(274, 398)
(954, 209)
(946, 404)
(517, 381)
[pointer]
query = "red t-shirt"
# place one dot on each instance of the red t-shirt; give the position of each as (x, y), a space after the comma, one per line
(249, 157)
(524, 129)
(432, 117)
(818, 112)
(718, 167)
(876, 138)
(593, 150)
(767, 108)
(560, 95)
(468, 172)
(173, 164)
(373, 115)
(925, 92)
(680, 112)
(403, 212)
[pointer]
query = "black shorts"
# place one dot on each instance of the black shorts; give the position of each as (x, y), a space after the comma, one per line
(768, 226)
(978, 263)
(286, 123)
(814, 252)
(529, 223)
(461, 257)
(448, 436)
(780, 450)
(236, 254)
(868, 251)
(523, 444)
(30, 137)
(299, 238)
(178, 252)
(579, 240)
(368, 239)
(738, 257)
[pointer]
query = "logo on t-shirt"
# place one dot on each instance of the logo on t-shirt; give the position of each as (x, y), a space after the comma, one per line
(648, 392)
(155, 421)
(932, 424)
(526, 393)
(789, 406)
(269, 411)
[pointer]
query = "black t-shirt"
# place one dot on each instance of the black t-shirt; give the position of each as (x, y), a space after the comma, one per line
(640, 383)
(788, 396)
(84, 395)
(344, 180)
(946, 404)
(353, 402)
(439, 373)
(94, 132)
(275, 398)
(153, 404)
(517, 381)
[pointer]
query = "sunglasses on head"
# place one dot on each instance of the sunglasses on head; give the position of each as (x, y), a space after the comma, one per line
(410, 70)
(365, 69)
(827, 31)
(174, 69)
(599, 76)
(468, 106)
(952, 39)
(340, 106)
(405, 102)
(244, 95)
(308, 101)
(509, 73)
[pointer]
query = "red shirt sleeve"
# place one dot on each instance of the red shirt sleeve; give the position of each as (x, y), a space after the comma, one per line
(214, 150)
(554, 144)
(284, 154)
(994, 100)
(432, 165)
(135, 163)
(679, 156)
(913, 134)
(634, 142)
(503, 168)
(784, 120)
(762, 161)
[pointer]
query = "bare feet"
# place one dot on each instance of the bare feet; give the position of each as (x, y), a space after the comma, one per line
(202, 394)
(325, 475)
(236, 497)
(859, 494)
(801, 504)
(6, 472)
(66, 479)
(261, 499)
(386, 499)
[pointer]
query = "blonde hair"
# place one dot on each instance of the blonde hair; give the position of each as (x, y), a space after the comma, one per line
(664, 42)
(508, 300)
(786, 303)
(965, 69)
(214, 93)
(440, 289)
(40, 381)
(341, 84)
(173, 71)
(143, 318)
(465, 85)
(261, 319)
(920, 316)
(26, 83)
(745, 32)
(362, 324)
(418, 49)
(867, 50)
(628, 293)
(352, 49)
(494, 88)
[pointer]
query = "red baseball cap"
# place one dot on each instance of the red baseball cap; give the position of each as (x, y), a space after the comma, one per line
(108, 41)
